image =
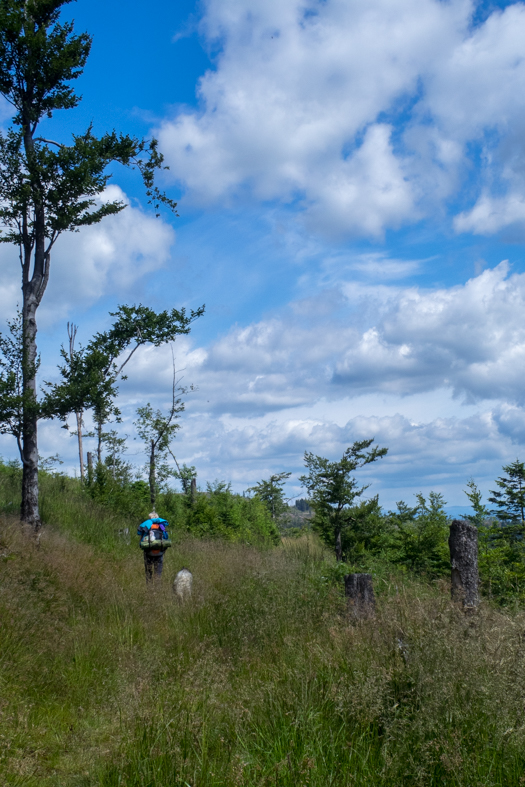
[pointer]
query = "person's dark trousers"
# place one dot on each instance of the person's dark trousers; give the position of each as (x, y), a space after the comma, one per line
(153, 565)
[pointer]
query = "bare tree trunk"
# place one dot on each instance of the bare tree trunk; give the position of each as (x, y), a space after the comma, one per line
(360, 594)
(193, 489)
(99, 441)
(90, 467)
(72, 333)
(29, 510)
(80, 448)
(33, 287)
(152, 475)
(463, 544)
(338, 544)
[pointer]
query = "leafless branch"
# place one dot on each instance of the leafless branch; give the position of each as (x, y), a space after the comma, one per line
(174, 458)
(49, 142)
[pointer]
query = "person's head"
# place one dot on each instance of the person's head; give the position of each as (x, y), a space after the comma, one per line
(153, 515)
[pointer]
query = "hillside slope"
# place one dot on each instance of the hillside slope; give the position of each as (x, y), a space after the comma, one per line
(260, 680)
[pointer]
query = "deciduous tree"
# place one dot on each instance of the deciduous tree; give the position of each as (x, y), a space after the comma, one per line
(47, 187)
(90, 375)
(157, 429)
(14, 400)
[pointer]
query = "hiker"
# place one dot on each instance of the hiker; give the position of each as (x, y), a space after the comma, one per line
(154, 541)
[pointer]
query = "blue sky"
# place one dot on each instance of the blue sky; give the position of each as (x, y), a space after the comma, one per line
(351, 189)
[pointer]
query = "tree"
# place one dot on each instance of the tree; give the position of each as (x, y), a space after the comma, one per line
(13, 399)
(115, 450)
(272, 495)
(157, 430)
(46, 187)
(90, 375)
(333, 490)
(419, 534)
(481, 516)
(187, 475)
(510, 501)
(74, 359)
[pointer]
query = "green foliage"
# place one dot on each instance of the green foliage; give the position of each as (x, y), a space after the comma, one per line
(89, 376)
(185, 474)
(510, 499)
(218, 513)
(366, 534)
(68, 181)
(115, 502)
(501, 545)
(481, 512)
(13, 399)
(333, 490)
(272, 495)
(39, 57)
(419, 536)
(157, 430)
(154, 425)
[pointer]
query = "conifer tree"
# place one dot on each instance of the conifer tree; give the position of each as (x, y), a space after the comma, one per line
(272, 495)
(334, 490)
(510, 498)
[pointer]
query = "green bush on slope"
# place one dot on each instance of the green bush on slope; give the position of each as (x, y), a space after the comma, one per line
(102, 513)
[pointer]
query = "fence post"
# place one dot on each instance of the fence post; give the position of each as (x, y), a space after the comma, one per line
(360, 594)
(463, 545)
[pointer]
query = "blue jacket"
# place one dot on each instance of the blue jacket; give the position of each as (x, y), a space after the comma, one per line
(146, 526)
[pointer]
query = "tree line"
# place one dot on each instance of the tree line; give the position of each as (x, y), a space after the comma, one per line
(413, 537)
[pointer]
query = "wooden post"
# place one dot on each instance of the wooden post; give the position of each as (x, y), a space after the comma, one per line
(193, 489)
(360, 594)
(463, 544)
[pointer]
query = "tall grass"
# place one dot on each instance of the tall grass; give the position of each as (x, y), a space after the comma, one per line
(66, 506)
(262, 679)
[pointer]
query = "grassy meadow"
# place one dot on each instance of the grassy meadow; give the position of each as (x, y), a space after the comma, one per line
(261, 680)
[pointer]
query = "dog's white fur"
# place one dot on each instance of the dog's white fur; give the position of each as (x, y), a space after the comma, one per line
(182, 584)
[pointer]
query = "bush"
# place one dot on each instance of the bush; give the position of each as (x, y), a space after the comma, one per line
(418, 537)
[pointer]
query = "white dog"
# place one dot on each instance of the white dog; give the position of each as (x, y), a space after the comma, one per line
(182, 584)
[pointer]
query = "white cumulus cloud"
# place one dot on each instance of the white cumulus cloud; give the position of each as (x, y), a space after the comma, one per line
(359, 113)
(469, 339)
(99, 261)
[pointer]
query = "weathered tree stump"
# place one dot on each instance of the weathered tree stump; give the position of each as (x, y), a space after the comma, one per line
(360, 594)
(463, 544)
